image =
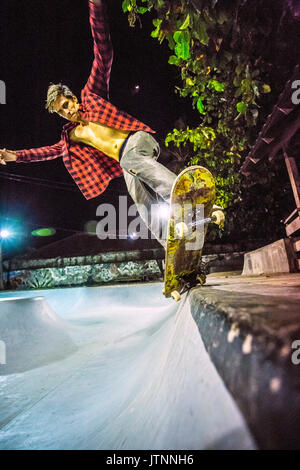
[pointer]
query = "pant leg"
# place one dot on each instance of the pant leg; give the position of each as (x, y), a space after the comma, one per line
(139, 158)
(147, 206)
(138, 161)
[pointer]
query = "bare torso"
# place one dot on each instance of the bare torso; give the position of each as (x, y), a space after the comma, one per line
(101, 137)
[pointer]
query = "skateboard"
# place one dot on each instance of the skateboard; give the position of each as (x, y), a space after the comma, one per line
(192, 199)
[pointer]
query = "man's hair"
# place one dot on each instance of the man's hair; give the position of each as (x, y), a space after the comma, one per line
(54, 92)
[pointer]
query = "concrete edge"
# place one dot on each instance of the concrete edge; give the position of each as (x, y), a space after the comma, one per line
(249, 342)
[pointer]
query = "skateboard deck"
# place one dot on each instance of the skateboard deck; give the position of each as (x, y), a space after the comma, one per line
(193, 195)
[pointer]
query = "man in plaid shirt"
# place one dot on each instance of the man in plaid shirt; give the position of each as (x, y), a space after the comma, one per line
(100, 142)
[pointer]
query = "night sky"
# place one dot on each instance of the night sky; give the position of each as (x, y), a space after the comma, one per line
(43, 42)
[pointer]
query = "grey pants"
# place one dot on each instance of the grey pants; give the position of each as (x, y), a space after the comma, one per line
(139, 162)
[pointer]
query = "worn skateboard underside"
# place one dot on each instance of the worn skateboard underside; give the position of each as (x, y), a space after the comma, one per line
(193, 186)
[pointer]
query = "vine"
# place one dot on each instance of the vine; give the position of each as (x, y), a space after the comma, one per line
(214, 43)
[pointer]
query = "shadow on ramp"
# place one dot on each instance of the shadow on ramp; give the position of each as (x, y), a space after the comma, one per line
(33, 335)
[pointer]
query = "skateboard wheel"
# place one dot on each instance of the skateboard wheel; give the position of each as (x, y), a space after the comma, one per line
(219, 217)
(181, 230)
(163, 292)
(175, 295)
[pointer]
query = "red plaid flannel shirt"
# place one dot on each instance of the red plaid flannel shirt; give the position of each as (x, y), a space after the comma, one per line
(90, 168)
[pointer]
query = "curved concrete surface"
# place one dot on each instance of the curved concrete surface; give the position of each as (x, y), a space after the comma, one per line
(33, 334)
(130, 372)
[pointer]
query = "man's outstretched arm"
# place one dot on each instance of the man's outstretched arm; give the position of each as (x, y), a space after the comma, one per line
(98, 81)
(32, 155)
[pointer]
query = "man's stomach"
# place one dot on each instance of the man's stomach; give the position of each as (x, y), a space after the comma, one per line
(106, 139)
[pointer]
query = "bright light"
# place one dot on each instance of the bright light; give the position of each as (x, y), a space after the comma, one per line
(4, 234)
(164, 211)
(133, 236)
(135, 89)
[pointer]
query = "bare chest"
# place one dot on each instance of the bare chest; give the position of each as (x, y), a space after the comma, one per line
(104, 138)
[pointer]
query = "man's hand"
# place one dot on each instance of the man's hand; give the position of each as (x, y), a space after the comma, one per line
(7, 156)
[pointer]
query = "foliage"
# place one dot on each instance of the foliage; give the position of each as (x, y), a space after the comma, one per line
(226, 73)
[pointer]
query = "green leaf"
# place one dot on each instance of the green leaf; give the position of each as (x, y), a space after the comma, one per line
(171, 41)
(242, 107)
(186, 23)
(200, 32)
(182, 48)
(246, 84)
(218, 86)
(125, 5)
(183, 51)
(266, 88)
(189, 82)
(178, 51)
(157, 22)
(178, 37)
(173, 60)
(142, 10)
(200, 106)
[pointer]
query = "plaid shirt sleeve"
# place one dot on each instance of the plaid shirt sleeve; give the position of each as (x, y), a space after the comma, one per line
(98, 81)
(40, 154)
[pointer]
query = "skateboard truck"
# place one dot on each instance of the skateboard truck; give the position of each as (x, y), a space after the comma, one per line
(183, 230)
(195, 278)
(190, 281)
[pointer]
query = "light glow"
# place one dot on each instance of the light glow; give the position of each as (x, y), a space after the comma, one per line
(164, 211)
(133, 236)
(5, 234)
(43, 232)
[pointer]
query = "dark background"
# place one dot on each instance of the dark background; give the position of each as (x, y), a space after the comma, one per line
(43, 42)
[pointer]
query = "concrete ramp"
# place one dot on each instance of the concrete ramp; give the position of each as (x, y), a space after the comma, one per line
(277, 257)
(139, 379)
(32, 333)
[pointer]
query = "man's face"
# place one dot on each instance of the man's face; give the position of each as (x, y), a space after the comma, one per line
(68, 108)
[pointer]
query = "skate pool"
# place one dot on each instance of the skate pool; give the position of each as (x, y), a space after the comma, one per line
(114, 368)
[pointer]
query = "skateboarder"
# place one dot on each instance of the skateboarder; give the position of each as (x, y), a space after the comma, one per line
(101, 142)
